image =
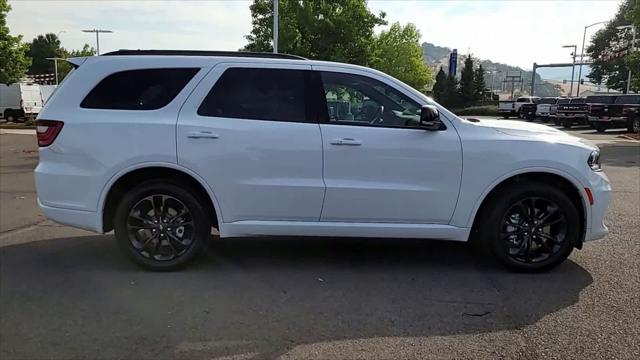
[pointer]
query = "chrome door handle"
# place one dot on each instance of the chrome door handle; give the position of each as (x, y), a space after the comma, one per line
(346, 141)
(202, 135)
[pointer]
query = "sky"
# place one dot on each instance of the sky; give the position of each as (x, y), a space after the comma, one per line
(511, 32)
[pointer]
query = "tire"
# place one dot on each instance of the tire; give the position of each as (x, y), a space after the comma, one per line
(633, 126)
(9, 116)
(567, 124)
(505, 116)
(556, 122)
(495, 218)
(153, 243)
(519, 113)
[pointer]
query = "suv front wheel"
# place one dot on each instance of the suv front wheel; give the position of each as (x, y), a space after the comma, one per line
(161, 225)
(530, 227)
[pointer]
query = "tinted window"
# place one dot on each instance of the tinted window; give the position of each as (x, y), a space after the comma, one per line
(547, 101)
(146, 89)
(259, 94)
(628, 99)
(600, 99)
(525, 100)
(563, 101)
(577, 101)
(360, 100)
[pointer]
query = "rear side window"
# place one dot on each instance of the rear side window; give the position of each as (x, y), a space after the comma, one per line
(257, 94)
(146, 89)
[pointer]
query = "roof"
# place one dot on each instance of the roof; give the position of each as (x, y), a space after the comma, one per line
(263, 55)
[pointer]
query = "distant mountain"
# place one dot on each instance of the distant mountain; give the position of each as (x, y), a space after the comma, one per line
(438, 56)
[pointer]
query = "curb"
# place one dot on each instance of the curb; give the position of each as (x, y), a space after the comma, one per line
(18, 127)
(627, 137)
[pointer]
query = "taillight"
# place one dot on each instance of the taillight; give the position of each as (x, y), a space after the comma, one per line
(21, 104)
(47, 131)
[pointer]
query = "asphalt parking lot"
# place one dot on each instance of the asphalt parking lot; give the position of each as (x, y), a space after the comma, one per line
(67, 293)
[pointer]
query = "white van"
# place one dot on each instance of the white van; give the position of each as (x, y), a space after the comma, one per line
(20, 101)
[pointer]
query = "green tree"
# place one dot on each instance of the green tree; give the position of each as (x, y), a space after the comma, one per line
(335, 30)
(12, 52)
(479, 84)
(398, 53)
(466, 81)
(64, 67)
(451, 97)
(632, 60)
(41, 48)
(609, 66)
(440, 84)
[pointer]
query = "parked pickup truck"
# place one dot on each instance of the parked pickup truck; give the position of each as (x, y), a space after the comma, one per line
(623, 112)
(528, 110)
(508, 108)
(573, 112)
(543, 110)
(553, 109)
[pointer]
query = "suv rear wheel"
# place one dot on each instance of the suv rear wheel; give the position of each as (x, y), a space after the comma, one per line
(161, 225)
(530, 227)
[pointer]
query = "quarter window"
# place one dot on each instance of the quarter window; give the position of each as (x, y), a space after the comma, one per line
(257, 94)
(360, 100)
(146, 89)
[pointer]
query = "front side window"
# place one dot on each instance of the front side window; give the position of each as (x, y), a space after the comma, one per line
(359, 100)
(145, 89)
(257, 94)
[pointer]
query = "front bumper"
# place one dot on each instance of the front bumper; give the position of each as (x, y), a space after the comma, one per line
(601, 191)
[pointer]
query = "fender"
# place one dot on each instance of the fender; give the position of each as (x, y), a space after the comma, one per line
(107, 187)
(580, 185)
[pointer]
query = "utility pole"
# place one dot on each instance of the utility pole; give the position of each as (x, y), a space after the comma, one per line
(573, 65)
(584, 35)
(633, 47)
(97, 31)
(275, 26)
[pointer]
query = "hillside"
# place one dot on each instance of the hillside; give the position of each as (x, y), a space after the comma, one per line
(438, 56)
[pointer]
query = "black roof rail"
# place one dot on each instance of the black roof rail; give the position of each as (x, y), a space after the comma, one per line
(247, 54)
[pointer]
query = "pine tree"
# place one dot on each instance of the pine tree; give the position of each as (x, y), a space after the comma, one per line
(450, 95)
(440, 85)
(466, 81)
(478, 83)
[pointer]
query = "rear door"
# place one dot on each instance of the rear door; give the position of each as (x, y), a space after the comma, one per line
(31, 98)
(247, 131)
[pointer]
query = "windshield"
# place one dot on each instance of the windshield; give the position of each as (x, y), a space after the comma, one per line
(628, 99)
(547, 101)
(605, 99)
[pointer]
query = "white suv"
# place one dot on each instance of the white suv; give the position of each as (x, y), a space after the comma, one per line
(163, 146)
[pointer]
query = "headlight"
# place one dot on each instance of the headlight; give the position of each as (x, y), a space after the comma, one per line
(594, 160)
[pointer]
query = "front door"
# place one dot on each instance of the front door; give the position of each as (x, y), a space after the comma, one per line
(246, 130)
(378, 165)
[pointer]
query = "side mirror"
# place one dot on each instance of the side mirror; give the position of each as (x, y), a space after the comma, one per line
(430, 118)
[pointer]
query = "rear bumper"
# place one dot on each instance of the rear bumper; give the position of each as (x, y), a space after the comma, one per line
(88, 220)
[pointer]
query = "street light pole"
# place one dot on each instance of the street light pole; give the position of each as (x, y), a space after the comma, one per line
(97, 31)
(573, 66)
(55, 66)
(584, 36)
(275, 26)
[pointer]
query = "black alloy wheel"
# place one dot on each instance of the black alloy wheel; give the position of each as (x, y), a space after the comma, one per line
(162, 225)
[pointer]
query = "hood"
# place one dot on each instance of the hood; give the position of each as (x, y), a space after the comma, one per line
(534, 131)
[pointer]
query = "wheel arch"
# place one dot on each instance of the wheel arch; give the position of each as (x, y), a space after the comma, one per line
(570, 185)
(120, 182)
